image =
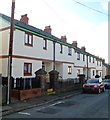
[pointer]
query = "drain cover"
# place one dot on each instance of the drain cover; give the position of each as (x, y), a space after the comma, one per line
(49, 111)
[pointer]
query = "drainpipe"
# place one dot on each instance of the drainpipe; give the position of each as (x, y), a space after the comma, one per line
(87, 68)
(10, 51)
(53, 55)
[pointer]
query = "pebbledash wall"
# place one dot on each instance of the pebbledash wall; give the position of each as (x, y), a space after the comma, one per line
(69, 59)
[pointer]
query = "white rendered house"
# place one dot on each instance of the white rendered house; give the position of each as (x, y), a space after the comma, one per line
(33, 49)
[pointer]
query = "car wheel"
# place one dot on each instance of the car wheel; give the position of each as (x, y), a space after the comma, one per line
(99, 91)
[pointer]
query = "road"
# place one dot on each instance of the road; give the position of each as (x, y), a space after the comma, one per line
(79, 106)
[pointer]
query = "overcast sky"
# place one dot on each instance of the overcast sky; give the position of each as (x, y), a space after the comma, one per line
(67, 17)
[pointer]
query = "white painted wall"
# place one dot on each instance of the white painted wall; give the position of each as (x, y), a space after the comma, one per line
(36, 51)
(65, 71)
(18, 67)
(64, 60)
(3, 23)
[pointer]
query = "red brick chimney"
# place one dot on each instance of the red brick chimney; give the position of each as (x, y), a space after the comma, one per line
(83, 48)
(75, 43)
(48, 29)
(63, 38)
(24, 19)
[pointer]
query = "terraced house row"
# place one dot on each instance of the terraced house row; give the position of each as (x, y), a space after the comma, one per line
(34, 48)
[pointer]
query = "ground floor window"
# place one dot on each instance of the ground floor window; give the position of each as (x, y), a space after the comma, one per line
(78, 72)
(27, 69)
(93, 72)
(69, 70)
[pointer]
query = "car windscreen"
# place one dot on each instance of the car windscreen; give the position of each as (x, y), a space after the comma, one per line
(93, 81)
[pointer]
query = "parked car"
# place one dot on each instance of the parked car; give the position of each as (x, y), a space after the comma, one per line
(107, 83)
(94, 85)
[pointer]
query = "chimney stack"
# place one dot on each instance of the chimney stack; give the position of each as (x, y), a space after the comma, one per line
(24, 19)
(75, 43)
(63, 38)
(83, 48)
(48, 29)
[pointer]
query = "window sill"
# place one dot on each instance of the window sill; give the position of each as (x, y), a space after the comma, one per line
(44, 48)
(29, 45)
(69, 54)
(27, 74)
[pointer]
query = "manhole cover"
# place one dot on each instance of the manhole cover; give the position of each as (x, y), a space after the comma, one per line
(65, 104)
(49, 111)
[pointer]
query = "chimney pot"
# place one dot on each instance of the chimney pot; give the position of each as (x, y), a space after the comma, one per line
(48, 29)
(63, 38)
(24, 18)
(75, 43)
(83, 48)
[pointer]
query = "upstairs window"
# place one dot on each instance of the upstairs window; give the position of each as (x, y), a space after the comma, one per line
(97, 62)
(100, 63)
(45, 44)
(78, 56)
(61, 48)
(93, 72)
(27, 69)
(69, 51)
(89, 58)
(83, 57)
(93, 60)
(69, 70)
(28, 39)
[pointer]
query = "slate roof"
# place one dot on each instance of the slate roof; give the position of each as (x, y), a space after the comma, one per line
(44, 34)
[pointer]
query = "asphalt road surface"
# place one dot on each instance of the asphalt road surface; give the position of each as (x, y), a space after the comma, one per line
(79, 106)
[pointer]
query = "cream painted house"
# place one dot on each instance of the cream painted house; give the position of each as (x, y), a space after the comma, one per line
(33, 49)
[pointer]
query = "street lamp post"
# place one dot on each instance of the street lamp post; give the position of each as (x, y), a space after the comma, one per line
(10, 51)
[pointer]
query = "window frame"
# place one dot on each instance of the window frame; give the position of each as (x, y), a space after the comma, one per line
(61, 48)
(78, 56)
(28, 39)
(45, 44)
(69, 51)
(83, 57)
(93, 72)
(93, 60)
(69, 69)
(27, 69)
(90, 59)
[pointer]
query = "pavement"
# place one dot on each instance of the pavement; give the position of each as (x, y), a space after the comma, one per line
(17, 105)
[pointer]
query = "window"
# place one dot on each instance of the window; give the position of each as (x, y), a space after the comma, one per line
(100, 63)
(43, 65)
(27, 69)
(97, 63)
(28, 39)
(93, 72)
(61, 48)
(69, 51)
(93, 60)
(100, 74)
(78, 72)
(45, 44)
(78, 56)
(83, 57)
(69, 70)
(89, 58)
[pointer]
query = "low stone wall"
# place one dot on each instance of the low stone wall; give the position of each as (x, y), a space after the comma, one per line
(26, 94)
